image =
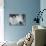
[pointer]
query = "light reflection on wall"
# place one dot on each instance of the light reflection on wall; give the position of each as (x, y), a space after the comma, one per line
(1, 21)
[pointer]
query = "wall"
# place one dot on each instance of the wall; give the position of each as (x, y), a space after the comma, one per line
(1, 21)
(43, 6)
(29, 7)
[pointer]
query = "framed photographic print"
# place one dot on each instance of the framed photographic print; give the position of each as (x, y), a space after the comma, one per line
(17, 19)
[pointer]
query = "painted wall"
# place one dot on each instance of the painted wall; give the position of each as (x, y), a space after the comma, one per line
(1, 21)
(43, 6)
(28, 7)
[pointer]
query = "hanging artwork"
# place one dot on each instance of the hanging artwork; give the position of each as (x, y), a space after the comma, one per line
(17, 19)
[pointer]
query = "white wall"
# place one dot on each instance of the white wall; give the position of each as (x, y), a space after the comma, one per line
(1, 20)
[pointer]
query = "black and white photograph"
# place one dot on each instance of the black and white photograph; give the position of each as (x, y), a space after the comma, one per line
(17, 19)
